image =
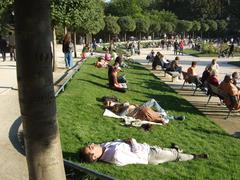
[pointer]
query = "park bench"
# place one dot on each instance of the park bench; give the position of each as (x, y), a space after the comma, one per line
(173, 74)
(191, 80)
(62, 82)
(215, 91)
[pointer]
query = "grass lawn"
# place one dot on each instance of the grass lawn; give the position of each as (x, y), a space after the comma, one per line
(235, 63)
(81, 121)
(198, 53)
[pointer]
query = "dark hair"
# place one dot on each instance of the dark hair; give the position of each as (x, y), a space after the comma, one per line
(117, 108)
(84, 157)
(234, 75)
(194, 63)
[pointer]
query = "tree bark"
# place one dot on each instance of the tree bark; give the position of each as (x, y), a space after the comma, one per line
(54, 45)
(36, 93)
(74, 43)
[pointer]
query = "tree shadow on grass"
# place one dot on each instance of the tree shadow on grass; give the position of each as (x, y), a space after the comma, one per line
(72, 156)
(206, 131)
(96, 76)
(95, 83)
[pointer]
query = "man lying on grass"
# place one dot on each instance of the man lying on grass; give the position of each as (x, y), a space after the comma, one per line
(124, 152)
(142, 112)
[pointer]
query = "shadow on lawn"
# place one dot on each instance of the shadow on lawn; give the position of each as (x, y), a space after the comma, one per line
(73, 156)
(96, 76)
(94, 83)
(212, 132)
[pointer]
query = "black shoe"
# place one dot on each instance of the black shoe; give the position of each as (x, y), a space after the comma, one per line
(201, 156)
(180, 118)
(174, 146)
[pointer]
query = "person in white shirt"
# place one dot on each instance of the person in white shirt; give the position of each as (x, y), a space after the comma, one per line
(124, 152)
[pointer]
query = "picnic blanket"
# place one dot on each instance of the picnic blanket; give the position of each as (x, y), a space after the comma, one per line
(129, 121)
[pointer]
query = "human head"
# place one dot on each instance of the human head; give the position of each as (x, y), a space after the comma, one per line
(214, 61)
(235, 75)
(194, 63)
(227, 78)
(91, 153)
(67, 38)
(177, 58)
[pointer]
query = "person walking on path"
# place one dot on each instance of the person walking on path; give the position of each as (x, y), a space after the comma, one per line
(67, 49)
(3, 47)
(124, 152)
(12, 49)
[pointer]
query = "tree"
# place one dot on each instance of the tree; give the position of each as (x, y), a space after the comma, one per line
(212, 25)
(127, 24)
(184, 26)
(142, 25)
(111, 25)
(36, 92)
(196, 27)
(222, 25)
(123, 8)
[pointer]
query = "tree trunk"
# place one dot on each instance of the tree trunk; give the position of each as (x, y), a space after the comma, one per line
(74, 43)
(54, 45)
(36, 93)
(109, 38)
(152, 36)
(125, 37)
(140, 36)
(65, 30)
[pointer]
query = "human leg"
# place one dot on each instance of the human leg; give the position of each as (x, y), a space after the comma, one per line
(153, 103)
(65, 59)
(159, 155)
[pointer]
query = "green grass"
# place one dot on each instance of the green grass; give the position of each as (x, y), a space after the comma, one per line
(235, 63)
(202, 54)
(81, 121)
(199, 53)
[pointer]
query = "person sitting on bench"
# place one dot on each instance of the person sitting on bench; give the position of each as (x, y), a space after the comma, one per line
(192, 71)
(124, 152)
(115, 82)
(142, 112)
(227, 86)
(174, 66)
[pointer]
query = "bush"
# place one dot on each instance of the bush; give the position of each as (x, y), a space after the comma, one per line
(209, 48)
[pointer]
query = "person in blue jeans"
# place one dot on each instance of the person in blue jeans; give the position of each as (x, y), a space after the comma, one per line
(67, 49)
(143, 112)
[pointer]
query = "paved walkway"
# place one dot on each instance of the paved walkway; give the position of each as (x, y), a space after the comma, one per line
(214, 111)
(12, 162)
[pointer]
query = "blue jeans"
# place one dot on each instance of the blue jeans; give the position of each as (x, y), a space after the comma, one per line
(68, 59)
(153, 103)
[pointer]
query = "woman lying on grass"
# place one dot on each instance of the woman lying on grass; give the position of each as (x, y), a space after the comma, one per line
(124, 152)
(142, 112)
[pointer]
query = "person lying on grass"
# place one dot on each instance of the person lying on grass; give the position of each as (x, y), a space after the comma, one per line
(142, 112)
(124, 152)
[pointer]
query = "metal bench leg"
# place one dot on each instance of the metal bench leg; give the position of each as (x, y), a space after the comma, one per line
(183, 84)
(195, 90)
(229, 112)
(209, 99)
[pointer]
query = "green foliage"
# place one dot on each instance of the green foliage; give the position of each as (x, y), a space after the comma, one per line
(127, 24)
(123, 8)
(6, 17)
(209, 48)
(111, 25)
(196, 26)
(222, 25)
(142, 24)
(85, 16)
(212, 25)
(184, 26)
(204, 27)
(81, 121)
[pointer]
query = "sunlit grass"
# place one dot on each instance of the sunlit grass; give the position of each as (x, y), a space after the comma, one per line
(81, 121)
